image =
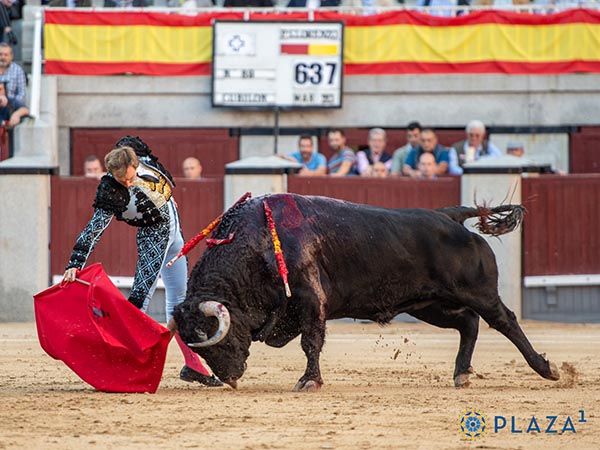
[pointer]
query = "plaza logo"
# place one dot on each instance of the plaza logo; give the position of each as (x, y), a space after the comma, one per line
(474, 424)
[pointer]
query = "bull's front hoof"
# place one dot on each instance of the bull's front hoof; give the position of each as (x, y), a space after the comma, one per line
(462, 380)
(554, 372)
(307, 386)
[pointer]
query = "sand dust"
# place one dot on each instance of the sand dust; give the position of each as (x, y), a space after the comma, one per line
(385, 388)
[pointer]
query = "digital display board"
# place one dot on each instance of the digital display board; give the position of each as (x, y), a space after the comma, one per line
(277, 64)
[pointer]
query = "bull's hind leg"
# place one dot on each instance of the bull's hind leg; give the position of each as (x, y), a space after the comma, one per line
(499, 317)
(466, 321)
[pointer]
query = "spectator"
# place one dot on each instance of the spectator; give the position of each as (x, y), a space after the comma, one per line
(555, 6)
(189, 6)
(125, 3)
(313, 163)
(70, 3)
(515, 149)
(427, 166)
(248, 3)
(442, 8)
(429, 143)
(6, 33)
(192, 168)
(413, 136)
(11, 114)
(472, 148)
(343, 159)
(92, 167)
(313, 4)
(375, 152)
(546, 162)
(13, 75)
(378, 170)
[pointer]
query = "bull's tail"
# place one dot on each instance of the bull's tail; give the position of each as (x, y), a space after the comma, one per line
(493, 221)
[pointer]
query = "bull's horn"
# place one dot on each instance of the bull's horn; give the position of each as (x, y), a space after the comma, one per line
(214, 309)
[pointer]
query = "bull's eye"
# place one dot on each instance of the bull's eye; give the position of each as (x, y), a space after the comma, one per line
(201, 334)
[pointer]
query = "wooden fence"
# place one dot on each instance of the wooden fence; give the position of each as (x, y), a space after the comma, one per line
(561, 228)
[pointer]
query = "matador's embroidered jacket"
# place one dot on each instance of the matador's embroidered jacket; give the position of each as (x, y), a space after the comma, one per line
(142, 205)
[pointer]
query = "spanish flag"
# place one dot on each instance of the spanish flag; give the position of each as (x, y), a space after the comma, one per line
(397, 42)
(106, 43)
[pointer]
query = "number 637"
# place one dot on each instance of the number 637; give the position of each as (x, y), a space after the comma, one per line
(315, 73)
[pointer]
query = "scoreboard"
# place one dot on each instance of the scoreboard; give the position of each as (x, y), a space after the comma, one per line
(277, 64)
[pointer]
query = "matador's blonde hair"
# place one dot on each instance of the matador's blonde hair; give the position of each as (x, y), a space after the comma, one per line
(119, 159)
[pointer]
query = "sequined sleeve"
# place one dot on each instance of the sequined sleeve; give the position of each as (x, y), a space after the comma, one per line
(89, 237)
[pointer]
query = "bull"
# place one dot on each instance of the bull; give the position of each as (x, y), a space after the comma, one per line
(345, 260)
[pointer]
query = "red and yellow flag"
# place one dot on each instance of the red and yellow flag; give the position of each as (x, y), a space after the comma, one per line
(399, 42)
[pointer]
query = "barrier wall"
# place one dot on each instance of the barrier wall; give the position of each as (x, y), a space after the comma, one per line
(560, 228)
(561, 232)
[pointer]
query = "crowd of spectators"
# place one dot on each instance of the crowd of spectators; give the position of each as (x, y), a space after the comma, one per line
(422, 157)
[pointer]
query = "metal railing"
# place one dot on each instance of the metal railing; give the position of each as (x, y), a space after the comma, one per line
(36, 67)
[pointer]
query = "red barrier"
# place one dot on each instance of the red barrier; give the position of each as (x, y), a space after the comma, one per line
(561, 231)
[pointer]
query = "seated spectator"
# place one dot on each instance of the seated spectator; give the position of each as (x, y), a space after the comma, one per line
(427, 167)
(343, 160)
(546, 162)
(413, 136)
(515, 149)
(378, 170)
(13, 75)
(313, 4)
(13, 112)
(442, 8)
(313, 163)
(555, 6)
(70, 3)
(248, 4)
(126, 3)
(375, 152)
(472, 148)
(429, 143)
(189, 6)
(92, 167)
(192, 169)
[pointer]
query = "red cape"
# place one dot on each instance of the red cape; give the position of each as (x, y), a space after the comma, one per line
(102, 337)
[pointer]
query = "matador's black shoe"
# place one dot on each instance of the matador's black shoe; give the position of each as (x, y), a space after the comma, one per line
(191, 375)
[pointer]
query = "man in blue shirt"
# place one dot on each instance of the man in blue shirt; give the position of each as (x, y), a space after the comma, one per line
(429, 143)
(313, 163)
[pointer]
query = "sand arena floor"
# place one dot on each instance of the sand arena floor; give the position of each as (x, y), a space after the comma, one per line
(385, 388)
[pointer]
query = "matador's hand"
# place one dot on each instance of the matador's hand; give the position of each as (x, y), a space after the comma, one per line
(70, 275)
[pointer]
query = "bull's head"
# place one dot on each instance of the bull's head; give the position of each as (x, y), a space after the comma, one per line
(207, 327)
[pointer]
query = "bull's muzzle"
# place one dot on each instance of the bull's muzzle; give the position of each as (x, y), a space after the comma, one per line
(213, 309)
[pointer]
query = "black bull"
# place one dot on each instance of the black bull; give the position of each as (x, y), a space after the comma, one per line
(345, 260)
